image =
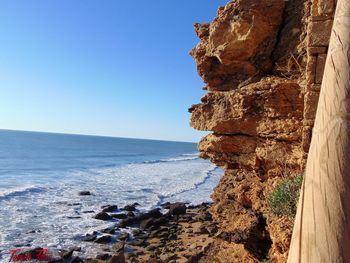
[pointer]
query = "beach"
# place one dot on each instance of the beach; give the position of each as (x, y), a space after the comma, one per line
(53, 191)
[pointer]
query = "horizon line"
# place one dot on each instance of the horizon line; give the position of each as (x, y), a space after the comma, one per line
(95, 135)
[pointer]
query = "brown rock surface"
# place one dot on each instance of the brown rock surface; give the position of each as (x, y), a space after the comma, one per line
(253, 58)
(271, 107)
(238, 44)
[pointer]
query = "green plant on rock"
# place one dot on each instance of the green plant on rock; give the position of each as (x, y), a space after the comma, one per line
(283, 200)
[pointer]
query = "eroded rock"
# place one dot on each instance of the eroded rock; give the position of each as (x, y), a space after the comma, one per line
(238, 44)
(256, 119)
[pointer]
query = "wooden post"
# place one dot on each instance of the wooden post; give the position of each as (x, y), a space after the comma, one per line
(322, 226)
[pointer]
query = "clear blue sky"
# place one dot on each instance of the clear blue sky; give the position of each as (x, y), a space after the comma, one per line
(109, 67)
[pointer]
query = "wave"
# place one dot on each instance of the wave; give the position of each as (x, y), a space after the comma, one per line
(20, 191)
(149, 182)
(183, 157)
(204, 179)
(113, 155)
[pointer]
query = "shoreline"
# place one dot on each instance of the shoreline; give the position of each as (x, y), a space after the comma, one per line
(173, 232)
(181, 234)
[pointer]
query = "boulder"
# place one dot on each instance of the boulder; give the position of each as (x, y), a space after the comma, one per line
(119, 216)
(146, 223)
(89, 237)
(153, 222)
(109, 208)
(103, 216)
(104, 239)
(177, 209)
(131, 207)
(118, 258)
(154, 213)
(126, 222)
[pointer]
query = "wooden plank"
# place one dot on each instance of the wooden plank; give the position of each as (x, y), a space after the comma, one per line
(322, 226)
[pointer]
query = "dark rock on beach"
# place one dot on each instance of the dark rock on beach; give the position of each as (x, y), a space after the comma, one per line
(126, 222)
(109, 230)
(68, 254)
(73, 217)
(154, 213)
(89, 237)
(130, 214)
(182, 234)
(146, 223)
(88, 212)
(109, 208)
(103, 216)
(151, 222)
(177, 208)
(119, 216)
(119, 258)
(104, 239)
(74, 204)
(84, 193)
(131, 207)
(105, 256)
(34, 231)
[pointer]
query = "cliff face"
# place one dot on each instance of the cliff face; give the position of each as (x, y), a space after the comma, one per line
(262, 62)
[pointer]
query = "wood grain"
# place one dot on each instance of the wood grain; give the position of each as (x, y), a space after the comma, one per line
(322, 227)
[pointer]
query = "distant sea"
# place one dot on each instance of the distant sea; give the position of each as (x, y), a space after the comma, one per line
(42, 173)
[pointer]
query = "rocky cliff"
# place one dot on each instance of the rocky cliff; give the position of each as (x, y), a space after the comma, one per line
(262, 62)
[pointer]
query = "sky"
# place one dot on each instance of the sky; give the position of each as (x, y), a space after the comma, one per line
(101, 67)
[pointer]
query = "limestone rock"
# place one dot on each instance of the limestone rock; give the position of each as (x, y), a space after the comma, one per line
(253, 59)
(271, 107)
(238, 44)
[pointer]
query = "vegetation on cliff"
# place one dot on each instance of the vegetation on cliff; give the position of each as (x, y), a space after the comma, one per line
(284, 198)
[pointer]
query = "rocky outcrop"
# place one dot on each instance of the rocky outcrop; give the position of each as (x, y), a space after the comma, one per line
(258, 61)
(237, 45)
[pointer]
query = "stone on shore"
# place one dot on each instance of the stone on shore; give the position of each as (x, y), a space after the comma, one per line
(131, 207)
(103, 216)
(84, 193)
(119, 216)
(119, 258)
(177, 209)
(109, 208)
(104, 239)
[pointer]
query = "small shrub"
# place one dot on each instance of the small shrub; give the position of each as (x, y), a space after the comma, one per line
(284, 198)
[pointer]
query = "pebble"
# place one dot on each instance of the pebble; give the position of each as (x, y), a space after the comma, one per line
(84, 193)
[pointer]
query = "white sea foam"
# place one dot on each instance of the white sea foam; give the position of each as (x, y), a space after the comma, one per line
(183, 157)
(49, 212)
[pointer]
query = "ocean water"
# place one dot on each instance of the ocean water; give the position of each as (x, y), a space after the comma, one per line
(42, 173)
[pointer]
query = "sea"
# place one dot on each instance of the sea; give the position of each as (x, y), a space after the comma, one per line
(41, 175)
